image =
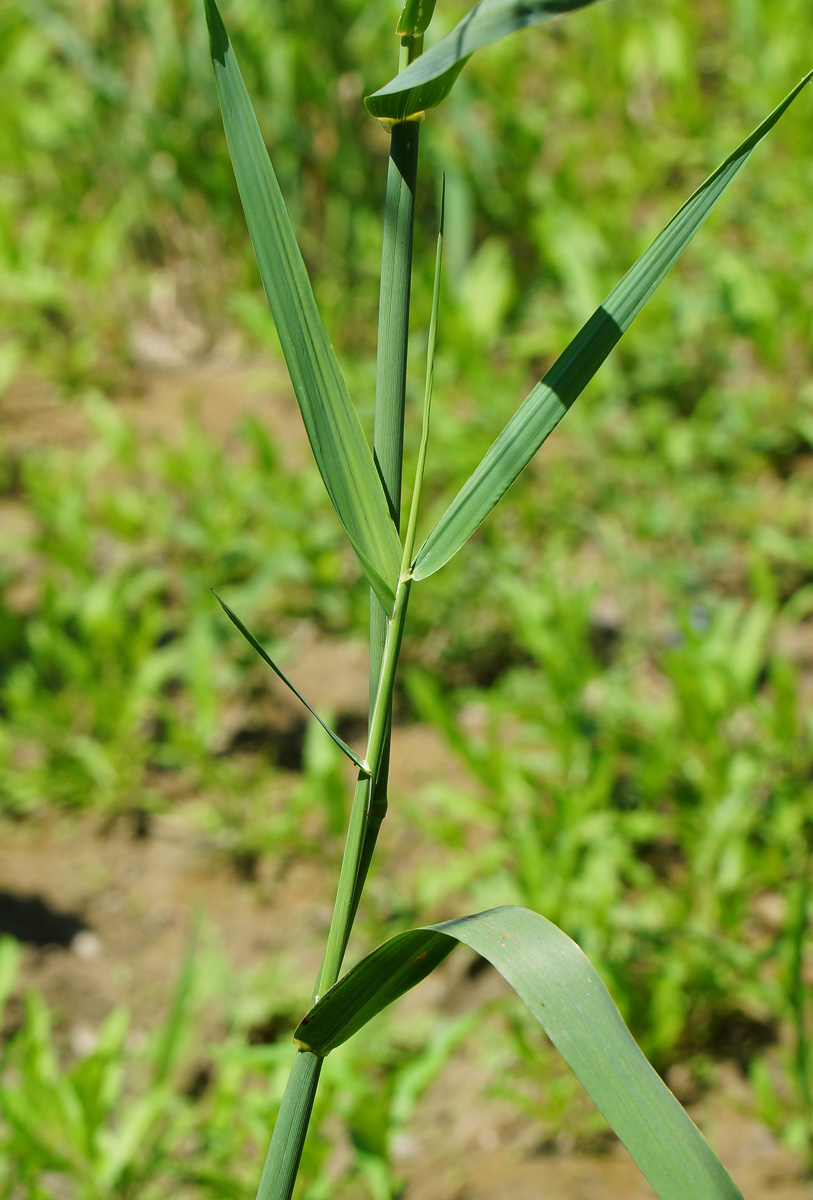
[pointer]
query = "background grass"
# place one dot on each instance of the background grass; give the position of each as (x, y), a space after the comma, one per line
(622, 659)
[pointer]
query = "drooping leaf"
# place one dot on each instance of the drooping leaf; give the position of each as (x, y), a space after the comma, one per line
(252, 641)
(544, 408)
(333, 427)
(558, 983)
(429, 79)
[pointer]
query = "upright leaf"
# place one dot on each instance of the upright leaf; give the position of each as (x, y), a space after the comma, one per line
(553, 977)
(544, 408)
(429, 79)
(335, 434)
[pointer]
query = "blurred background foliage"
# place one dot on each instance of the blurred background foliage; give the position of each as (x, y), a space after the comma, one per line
(622, 661)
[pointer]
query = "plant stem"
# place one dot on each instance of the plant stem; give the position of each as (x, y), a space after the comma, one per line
(284, 1153)
(291, 1126)
(370, 797)
(343, 911)
(390, 396)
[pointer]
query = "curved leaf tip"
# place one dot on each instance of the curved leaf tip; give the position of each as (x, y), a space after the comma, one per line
(558, 983)
(427, 81)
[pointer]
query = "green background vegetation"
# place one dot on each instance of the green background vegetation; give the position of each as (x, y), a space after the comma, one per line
(622, 663)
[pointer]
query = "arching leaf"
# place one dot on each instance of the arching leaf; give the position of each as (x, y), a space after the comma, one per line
(558, 983)
(429, 79)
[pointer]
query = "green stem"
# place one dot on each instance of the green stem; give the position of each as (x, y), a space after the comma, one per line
(343, 911)
(390, 398)
(377, 756)
(282, 1161)
(285, 1151)
(370, 798)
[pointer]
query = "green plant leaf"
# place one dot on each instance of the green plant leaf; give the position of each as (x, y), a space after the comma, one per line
(558, 983)
(544, 408)
(415, 17)
(429, 79)
(333, 427)
(252, 641)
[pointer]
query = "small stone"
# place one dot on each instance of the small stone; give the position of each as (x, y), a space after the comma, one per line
(86, 945)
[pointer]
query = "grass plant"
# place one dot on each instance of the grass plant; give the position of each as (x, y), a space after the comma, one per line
(628, 693)
(547, 969)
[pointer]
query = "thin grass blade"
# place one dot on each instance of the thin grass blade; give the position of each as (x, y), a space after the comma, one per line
(420, 467)
(558, 983)
(333, 427)
(544, 408)
(252, 641)
(428, 80)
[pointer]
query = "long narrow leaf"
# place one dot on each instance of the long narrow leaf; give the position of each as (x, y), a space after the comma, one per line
(544, 408)
(429, 79)
(335, 434)
(252, 641)
(420, 466)
(560, 986)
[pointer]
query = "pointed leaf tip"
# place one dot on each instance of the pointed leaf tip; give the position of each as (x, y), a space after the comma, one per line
(256, 645)
(543, 409)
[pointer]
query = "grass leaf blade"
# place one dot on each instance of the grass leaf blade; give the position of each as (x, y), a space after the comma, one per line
(420, 466)
(429, 79)
(558, 983)
(333, 428)
(544, 408)
(252, 641)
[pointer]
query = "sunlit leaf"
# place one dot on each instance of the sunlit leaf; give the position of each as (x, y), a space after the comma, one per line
(558, 983)
(544, 408)
(335, 434)
(429, 79)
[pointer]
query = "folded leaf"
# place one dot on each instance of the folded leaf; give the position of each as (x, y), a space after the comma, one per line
(558, 983)
(252, 641)
(544, 408)
(333, 427)
(429, 79)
